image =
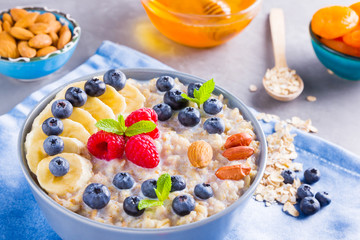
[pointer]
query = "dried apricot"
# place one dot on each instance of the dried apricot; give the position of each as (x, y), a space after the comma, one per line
(353, 38)
(340, 46)
(356, 7)
(333, 22)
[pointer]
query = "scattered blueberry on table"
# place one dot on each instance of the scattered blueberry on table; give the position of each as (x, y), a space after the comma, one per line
(311, 175)
(304, 191)
(309, 205)
(288, 175)
(323, 198)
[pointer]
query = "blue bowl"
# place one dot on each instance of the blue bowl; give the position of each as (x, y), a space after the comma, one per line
(343, 65)
(70, 225)
(31, 68)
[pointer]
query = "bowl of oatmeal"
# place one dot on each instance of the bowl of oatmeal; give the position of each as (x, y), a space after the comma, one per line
(213, 172)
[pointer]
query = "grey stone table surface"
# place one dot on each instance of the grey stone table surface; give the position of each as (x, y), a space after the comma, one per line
(234, 65)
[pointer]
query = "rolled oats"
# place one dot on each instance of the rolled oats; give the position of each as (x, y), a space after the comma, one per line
(282, 81)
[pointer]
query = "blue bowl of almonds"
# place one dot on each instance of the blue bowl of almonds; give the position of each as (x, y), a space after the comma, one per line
(142, 154)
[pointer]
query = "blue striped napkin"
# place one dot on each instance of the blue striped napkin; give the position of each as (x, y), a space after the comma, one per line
(21, 218)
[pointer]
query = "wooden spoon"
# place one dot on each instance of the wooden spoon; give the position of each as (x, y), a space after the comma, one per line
(280, 77)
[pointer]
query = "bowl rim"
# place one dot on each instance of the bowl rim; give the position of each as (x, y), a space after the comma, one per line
(261, 160)
(73, 42)
(315, 38)
(253, 6)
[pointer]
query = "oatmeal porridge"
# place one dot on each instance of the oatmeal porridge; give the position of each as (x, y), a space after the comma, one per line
(107, 169)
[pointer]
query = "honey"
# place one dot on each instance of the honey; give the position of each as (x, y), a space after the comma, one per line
(201, 23)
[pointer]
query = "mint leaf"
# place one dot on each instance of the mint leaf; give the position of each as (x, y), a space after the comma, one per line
(121, 121)
(204, 92)
(158, 194)
(164, 186)
(140, 127)
(145, 203)
(109, 125)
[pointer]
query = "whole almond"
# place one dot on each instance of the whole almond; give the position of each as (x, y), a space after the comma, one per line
(54, 38)
(18, 13)
(200, 154)
(55, 26)
(239, 152)
(6, 26)
(46, 18)
(8, 46)
(40, 41)
(7, 17)
(64, 37)
(239, 139)
(38, 28)
(21, 33)
(25, 50)
(45, 51)
(234, 172)
(27, 20)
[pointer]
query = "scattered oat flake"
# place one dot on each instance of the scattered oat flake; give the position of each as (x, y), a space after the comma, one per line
(289, 208)
(252, 88)
(282, 81)
(305, 126)
(311, 98)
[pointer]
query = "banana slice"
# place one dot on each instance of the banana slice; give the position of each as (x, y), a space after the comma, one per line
(114, 100)
(74, 136)
(133, 97)
(98, 109)
(78, 176)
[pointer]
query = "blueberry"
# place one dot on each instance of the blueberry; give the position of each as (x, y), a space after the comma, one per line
(212, 106)
(192, 87)
(96, 195)
(311, 175)
(163, 111)
(288, 175)
(304, 191)
(323, 198)
(165, 83)
(123, 180)
(59, 166)
(309, 205)
(53, 145)
(214, 125)
(76, 96)
(189, 117)
(95, 87)
(203, 191)
(61, 108)
(174, 99)
(52, 126)
(148, 188)
(177, 183)
(183, 205)
(115, 78)
(131, 204)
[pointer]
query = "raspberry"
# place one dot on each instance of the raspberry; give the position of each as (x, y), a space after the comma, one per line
(141, 150)
(105, 145)
(144, 114)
